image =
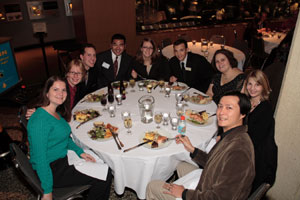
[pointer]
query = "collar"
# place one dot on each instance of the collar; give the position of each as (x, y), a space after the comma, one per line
(224, 134)
(113, 56)
(184, 61)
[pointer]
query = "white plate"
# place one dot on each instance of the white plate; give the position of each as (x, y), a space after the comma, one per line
(100, 139)
(199, 103)
(209, 122)
(180, 84)
(161, 146)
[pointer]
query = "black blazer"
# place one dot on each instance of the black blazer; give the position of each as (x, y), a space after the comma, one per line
(200, 74)
(106, 75)
(159, 69)
(92, 83)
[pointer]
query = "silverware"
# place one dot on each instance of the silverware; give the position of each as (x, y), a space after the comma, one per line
(174, 138)
(186, 90)
(212, 115)
(114, 136)
(117, 136)
(155, 86)
(205, 96)
(140, 144)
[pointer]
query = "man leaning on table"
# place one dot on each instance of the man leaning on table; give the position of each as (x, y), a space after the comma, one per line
(187, 67)
(228, 169)
(114, 64)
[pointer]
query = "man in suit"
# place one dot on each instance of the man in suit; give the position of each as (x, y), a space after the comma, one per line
(88, 58)
(114, 64)
(189, 68)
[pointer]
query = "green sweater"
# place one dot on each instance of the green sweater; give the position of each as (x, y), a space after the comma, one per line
(49, 140)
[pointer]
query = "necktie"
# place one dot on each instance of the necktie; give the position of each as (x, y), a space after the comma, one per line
(183, 70)
(116, 67)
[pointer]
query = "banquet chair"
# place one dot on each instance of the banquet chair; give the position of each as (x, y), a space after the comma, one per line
(260, 192)
(218, 39)
(243, 46)
(23, 165)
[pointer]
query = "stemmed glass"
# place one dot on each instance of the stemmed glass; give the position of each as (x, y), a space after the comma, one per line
(174, 122)
(158, 118)
(132, 84)
(119, 99)
(179, 109)
(127, 120)
(211, 44)
(104, 102)
(149, 87)
(167, 91)
(141, 86)
(165, 118)
(161, 84)
(112, 110)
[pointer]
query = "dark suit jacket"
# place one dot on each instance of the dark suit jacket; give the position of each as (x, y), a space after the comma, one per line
(198, 77)
(159, 69)
(106, 75)
(92, 83)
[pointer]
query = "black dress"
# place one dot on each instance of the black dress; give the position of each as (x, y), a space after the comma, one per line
(235, 85)
(261, 131)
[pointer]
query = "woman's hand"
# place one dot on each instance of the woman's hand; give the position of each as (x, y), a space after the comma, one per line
(186, 143)
(173, 79)
(29, 113)
(174, 190)
(47, 196)
(133, 74)
(87, 157)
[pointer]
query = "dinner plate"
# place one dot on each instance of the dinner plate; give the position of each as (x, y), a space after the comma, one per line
(193, 102)
(85, 115)
(182, 86)
(100, 139)
(161, 146)
(147, 81)
(209, 122)
(92, 96)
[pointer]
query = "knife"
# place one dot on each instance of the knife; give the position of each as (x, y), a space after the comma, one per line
(141, 144)
(114, 136)
(117, 137)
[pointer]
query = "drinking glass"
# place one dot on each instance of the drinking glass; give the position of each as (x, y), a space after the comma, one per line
(158, 118)
(167, 91)
(112, 110)
(119, 99)
(165, 117)
(279, 36)
(128, 124)
(178, 97)
(125, 114)
(141, 86)
(161, 84)
(211, 44)
(174, 122)
(132, 84)
(149, 88)
(179, 109)
(194, 42)
(104, 102)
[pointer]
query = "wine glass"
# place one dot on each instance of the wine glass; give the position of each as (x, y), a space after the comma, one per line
(161, 84)
(167, 91)
(178, 97)
(132, 84)
(149, 88)
(194, 42)
(128, 123)
(211, 44)
(165, 118)
(119, 99)
(158, 118)
(141, 86)
(104, 102)
(112, 110)
(174, 122)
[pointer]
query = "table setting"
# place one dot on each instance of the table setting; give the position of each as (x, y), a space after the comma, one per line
(136, 138)
(272, 39)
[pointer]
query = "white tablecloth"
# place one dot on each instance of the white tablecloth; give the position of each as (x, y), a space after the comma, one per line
(136, 168)
(196, 48)
(272, 42)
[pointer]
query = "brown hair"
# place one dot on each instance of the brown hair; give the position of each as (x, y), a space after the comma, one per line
(261, 78)
(139, 54)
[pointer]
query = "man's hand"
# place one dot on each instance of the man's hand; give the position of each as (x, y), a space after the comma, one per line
(87, 157)
(186, 143)
(174, 190)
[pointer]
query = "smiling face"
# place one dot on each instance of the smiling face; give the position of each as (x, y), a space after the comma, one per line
(57, 93)
(88, 58)
(254, 88)
(147, 49)
(117, 46)
(222, 63)
(74, 76)
(180, 51)
(228, 113)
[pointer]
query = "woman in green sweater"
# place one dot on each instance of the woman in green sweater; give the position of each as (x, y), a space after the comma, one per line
(49, 140)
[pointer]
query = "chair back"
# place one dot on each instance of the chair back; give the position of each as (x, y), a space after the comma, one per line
(243, 46)
(218, 39)
(22, 116)
(23, 165)
(260, 192)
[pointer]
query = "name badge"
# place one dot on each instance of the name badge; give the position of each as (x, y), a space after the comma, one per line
(105, 65)
(188, 69)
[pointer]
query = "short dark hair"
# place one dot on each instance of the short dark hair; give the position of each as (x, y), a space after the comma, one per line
(180, 41)
(118, 36)
(229, 55)
(244, 101)
(86, 45)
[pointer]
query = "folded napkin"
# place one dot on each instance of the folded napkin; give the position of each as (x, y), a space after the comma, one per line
(96, 169)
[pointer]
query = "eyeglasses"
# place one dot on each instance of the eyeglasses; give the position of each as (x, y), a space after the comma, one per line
(76, 73)
(150, 48)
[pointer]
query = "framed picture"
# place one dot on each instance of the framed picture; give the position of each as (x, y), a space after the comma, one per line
(35, 9)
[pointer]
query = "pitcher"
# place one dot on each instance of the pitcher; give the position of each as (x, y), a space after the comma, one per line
(146, 107)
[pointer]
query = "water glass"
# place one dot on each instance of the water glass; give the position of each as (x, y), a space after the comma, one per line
(119, 99)
(112, 110)
(166, 117)
(174, 122)
(128, 124)
(161, 84)
(132, 84)
(125, 114)
(158, 118)
(179, 109)
(141, 86)
(103, 103)
(167, 91)
(178, 97)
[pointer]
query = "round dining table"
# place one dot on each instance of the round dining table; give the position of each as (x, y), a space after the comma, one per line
(136, 168)
(272, 40)
(195, 47)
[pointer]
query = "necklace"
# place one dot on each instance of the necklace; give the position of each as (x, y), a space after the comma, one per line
(254, 105)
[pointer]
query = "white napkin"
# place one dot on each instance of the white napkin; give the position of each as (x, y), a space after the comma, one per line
(97, 170)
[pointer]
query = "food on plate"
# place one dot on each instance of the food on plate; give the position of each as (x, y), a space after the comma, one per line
(200, 99)
(116, 84)
(102, 131)
(94, 97)
(85, 115)
(178, 87)
(197, 117)
(150, 82)
(155, 137)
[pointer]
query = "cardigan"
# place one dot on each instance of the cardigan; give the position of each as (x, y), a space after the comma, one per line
(49, 139)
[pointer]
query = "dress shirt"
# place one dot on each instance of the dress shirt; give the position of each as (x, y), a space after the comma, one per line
(114, 56)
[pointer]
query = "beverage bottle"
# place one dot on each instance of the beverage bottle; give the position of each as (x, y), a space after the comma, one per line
(122, 90)
(182, 125)
(110, 92)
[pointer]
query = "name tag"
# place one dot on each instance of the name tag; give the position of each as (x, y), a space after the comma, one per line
(188, 69)
(105, 65)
